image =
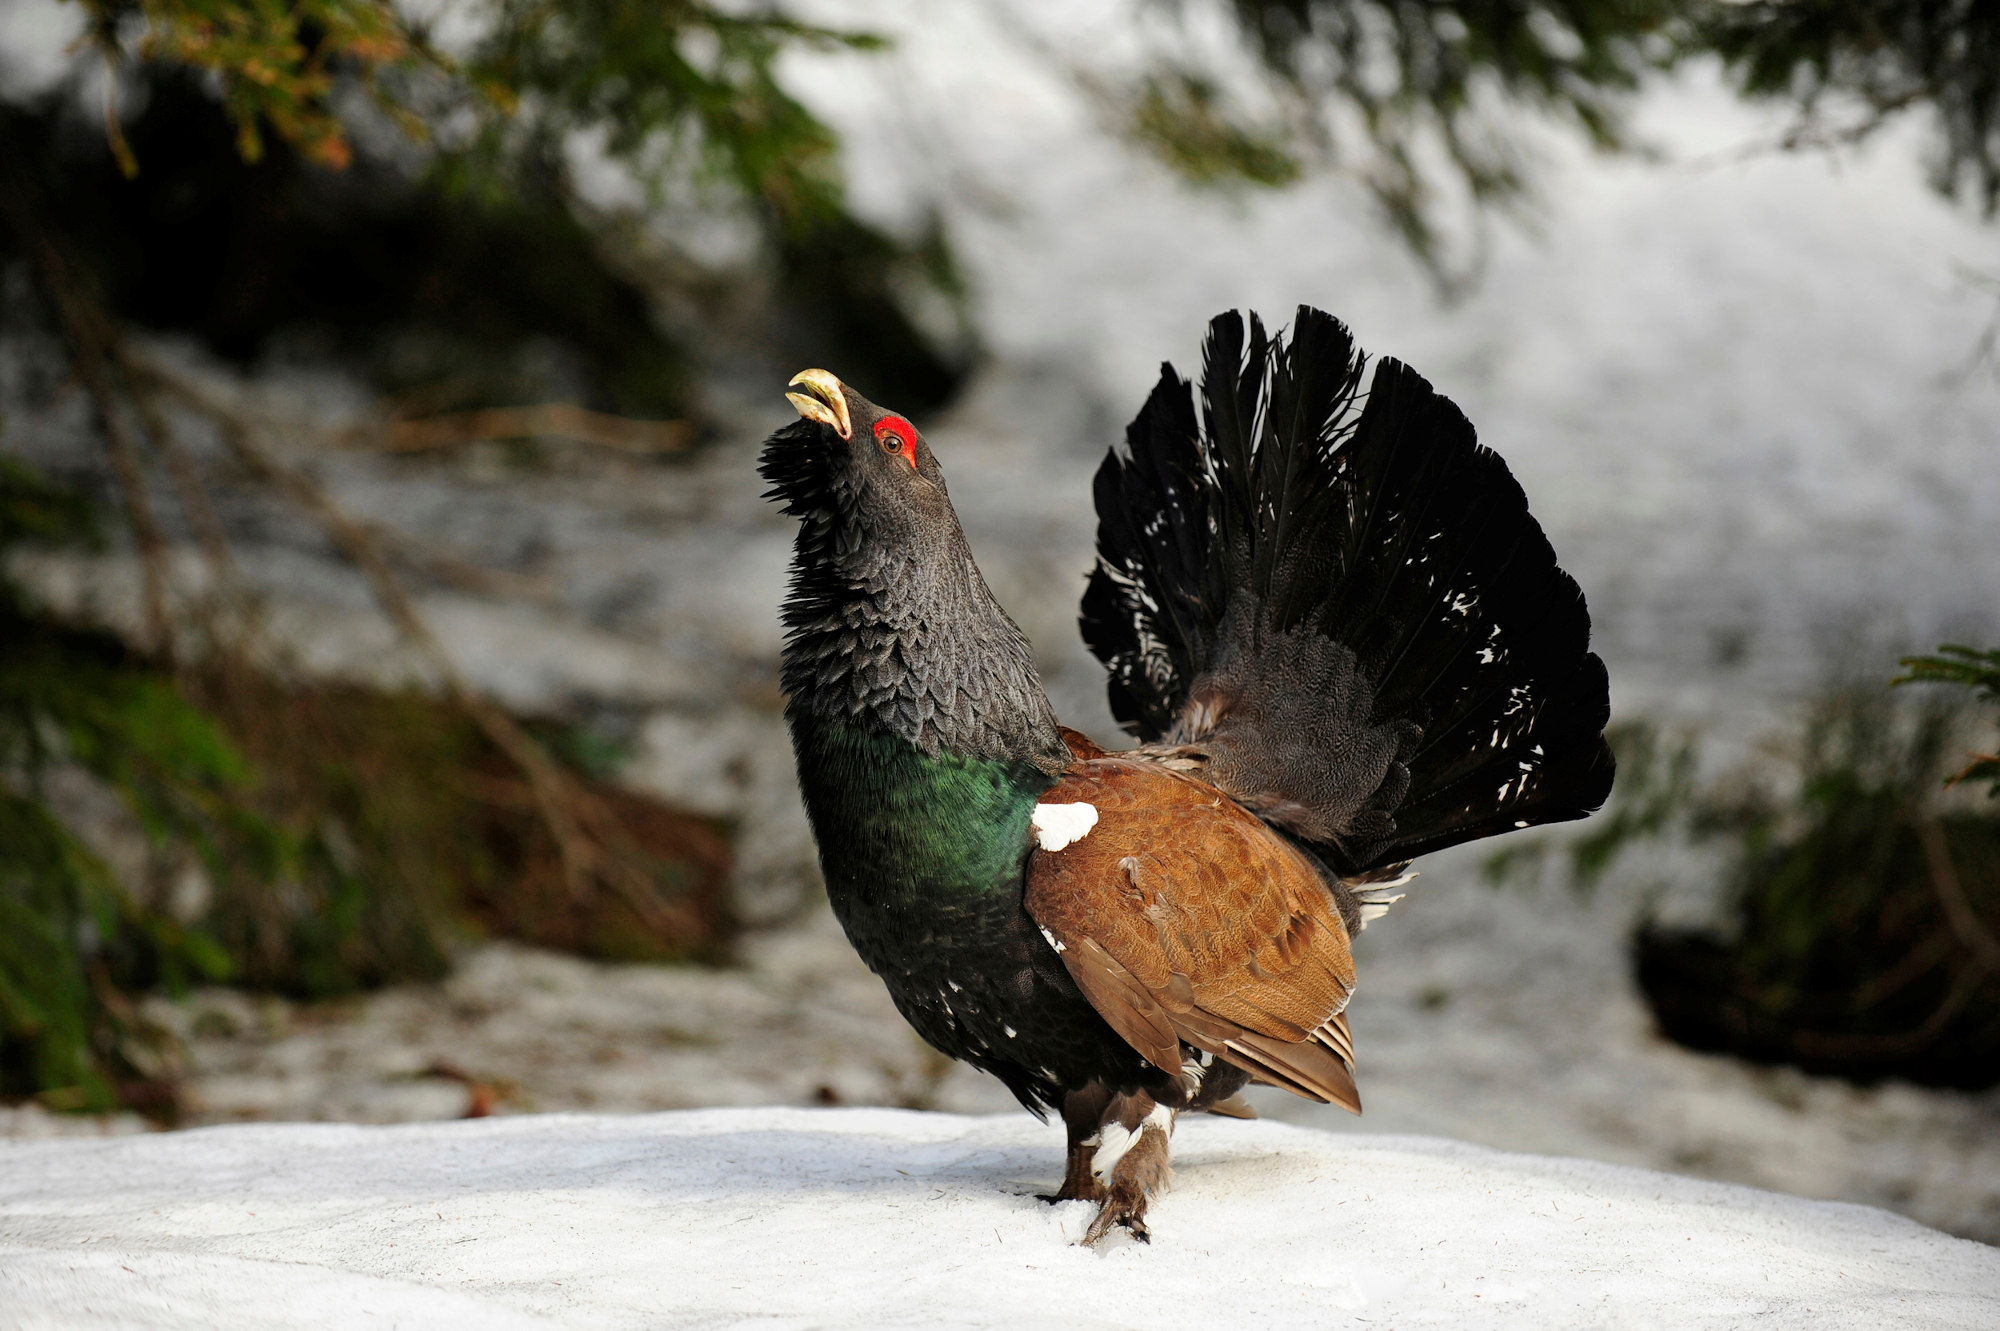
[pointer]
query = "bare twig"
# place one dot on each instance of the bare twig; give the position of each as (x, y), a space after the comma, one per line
(360, 544)
(550, 420)
(593, 844)
(1819, 1044)
(1935, 947)
(1988, 342)
(188, 487)
(229, 629)
(670, 917)
(1807, 133)
(144, 381)
(87, 338)
(583, 828)
(131, 476)
(1965, 928)
(444, 566)
(1958, 912)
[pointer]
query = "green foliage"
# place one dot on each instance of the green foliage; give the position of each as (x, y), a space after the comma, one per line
(1862, 917)
(683, 75)
(1970, 668)
(685, 94)
(367, 897)
(1884, 57)
(414, 832)
(33, 510)
(1407, 94)
(51, 892)
(276, 62)
(1821, 862)
(635, 68)
(1180, 117)
(1858, 916)
(1413, 96)
(339, 838)
(451, 297)
(69, 931)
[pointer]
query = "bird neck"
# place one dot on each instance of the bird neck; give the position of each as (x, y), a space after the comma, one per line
(921, 730)
(901, 638)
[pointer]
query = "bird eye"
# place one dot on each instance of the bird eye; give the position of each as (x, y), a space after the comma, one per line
(898, 439)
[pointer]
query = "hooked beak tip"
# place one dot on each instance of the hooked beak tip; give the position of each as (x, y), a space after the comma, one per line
(824, 401)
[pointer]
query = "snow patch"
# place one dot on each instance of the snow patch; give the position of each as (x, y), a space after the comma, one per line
(869, 1218)
(1059, 825)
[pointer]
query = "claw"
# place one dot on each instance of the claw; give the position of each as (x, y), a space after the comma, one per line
(1118, 1152)
(1127, 1211)
(1140, 1174)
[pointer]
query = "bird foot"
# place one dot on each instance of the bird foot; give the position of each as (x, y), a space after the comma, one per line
(1080, 1182)
(1088, 1189)
(1125, 1208)
(1140, 1173)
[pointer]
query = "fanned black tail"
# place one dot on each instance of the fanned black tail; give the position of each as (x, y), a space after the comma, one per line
(1337, 605)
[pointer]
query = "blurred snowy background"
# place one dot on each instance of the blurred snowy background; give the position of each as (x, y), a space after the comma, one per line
(1750, 393)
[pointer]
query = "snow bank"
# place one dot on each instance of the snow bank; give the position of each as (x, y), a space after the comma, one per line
(866, 1218)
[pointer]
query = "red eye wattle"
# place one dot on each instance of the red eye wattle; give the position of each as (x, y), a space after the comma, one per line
(897, 436)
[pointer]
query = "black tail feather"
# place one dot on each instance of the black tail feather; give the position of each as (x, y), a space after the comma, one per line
(1339, 603)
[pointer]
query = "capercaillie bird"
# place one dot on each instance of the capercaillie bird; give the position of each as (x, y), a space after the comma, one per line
(1341, 642)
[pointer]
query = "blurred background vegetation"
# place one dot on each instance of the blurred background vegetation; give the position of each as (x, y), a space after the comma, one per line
(336, 177)
(1857, 869)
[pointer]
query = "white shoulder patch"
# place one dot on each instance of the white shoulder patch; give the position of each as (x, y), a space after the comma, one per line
(1057, 825)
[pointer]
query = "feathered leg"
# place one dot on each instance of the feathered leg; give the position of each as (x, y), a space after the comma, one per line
(1130, 1157)
(1083, 1116)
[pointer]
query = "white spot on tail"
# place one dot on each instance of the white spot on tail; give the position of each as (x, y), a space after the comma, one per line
(1057, 825)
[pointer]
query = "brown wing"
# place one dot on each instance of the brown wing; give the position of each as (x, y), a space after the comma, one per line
(1184, 918)
(1080, 745)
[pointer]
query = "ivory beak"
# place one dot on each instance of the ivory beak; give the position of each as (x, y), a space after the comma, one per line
(827, 403)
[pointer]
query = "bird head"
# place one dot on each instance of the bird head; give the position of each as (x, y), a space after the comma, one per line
(856, 462)
(887, 613)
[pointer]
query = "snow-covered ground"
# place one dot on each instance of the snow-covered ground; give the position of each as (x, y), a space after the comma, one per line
(1725, 381)
(879, 1218)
